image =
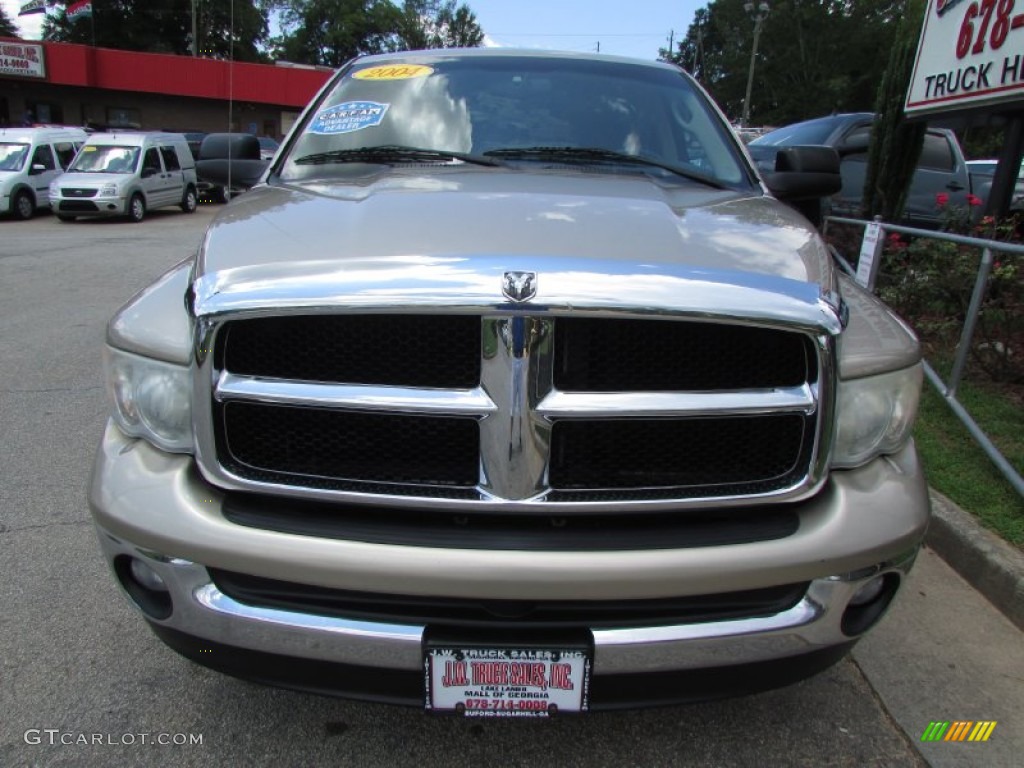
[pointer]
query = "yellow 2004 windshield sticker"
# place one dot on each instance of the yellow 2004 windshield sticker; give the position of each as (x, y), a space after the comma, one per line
(393, 72)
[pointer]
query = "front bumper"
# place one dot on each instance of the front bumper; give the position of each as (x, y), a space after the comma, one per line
(101, 205)
(155, 507)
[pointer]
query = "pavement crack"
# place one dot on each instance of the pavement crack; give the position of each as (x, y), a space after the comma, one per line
(40, 526)
(880, 703)
(49, 389)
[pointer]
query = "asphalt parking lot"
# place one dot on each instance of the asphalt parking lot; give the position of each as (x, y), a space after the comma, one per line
(77, 664)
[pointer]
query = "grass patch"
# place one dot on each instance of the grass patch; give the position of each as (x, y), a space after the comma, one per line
(956, 465)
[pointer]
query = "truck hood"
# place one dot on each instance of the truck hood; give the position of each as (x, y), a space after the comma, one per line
(446, 238)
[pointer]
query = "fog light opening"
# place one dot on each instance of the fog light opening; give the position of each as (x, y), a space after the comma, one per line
(144, 586)
(868, 604)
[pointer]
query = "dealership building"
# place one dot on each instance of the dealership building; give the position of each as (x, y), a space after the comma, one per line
(68, 84)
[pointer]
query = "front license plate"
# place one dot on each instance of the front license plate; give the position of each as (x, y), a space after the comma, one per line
(507, 682)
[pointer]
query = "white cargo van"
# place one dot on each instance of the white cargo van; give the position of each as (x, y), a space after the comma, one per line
(30, 158)
(126, 174)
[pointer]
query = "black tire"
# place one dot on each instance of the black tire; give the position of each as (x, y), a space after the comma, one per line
(65, 217)
(190, 200)
(136, 208)
(23, 205)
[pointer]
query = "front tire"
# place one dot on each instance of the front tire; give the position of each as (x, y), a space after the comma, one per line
(136, 208)
(23, 206)
(190, 200)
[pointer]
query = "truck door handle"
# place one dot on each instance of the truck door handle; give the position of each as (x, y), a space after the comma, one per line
(955, 186)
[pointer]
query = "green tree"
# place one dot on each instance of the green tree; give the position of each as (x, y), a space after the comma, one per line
(7, 26)
(895, 143)
(814, 56)
(165, 26)
(330, 32)
(438, 24)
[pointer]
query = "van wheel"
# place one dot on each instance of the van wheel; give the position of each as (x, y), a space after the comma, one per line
(189, 201)
(65, 217)
(23, 206)
(136, 208)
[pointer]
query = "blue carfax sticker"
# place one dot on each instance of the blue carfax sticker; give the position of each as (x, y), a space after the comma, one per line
(349, 116)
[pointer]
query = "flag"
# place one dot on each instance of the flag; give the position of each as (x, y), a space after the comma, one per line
(79, 10)
(33, 6)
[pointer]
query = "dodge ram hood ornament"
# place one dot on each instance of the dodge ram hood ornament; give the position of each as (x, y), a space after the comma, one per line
(519, 286)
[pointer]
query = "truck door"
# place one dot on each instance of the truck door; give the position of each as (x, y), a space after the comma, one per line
(175, 176)
(939, 171)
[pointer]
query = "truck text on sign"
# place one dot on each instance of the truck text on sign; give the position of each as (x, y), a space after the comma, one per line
(971, 54)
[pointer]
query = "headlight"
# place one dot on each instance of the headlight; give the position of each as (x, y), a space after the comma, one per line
(875, 415)
(108, 189)
(151, 399)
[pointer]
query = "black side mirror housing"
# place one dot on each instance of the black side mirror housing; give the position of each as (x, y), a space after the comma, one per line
(230, 159)
(803, 173)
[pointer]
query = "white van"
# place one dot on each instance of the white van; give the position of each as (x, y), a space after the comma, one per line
(126, 174)
(30, 158)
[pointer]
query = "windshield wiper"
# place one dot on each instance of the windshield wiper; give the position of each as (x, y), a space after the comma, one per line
(392, 153)
(598, 154)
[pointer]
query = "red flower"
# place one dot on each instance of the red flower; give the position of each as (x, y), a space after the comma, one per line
(941, 199)
(895, 242)
(972, 200)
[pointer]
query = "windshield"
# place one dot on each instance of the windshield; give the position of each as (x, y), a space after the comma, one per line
(478, 106)
(808, 133)
(12, 156)
(106, 159)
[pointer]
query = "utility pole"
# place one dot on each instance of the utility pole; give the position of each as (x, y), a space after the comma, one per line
(758, 12)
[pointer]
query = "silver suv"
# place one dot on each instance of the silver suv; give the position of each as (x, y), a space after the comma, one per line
(512, 388)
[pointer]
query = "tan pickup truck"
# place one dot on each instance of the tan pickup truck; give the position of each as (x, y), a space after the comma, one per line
(512, 388)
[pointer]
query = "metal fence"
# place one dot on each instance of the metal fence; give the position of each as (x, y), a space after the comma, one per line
(866, 273)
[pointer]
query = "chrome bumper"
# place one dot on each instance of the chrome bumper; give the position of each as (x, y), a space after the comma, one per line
(155, 506)
(202, 611)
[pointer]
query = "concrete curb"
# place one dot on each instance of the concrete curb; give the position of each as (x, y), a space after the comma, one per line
(989, 564)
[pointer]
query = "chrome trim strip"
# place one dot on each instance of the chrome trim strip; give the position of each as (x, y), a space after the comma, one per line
(468, 402)
(472, 285)
(211, 598)
(801, 614)
(611, 405)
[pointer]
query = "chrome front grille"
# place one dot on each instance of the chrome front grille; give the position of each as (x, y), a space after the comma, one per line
(530, 410)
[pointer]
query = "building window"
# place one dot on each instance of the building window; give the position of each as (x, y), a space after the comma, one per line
(122, 117)
(43, 112)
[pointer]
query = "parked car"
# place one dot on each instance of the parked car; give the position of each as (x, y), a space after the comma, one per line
(268, 147)
(941, 168)
(510, 388)
(126, 174)
(983, 172)
(225, 146)
(30, 158)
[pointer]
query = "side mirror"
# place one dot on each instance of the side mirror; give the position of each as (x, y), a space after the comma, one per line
(230, 160)
(36, 169)
(802, 173)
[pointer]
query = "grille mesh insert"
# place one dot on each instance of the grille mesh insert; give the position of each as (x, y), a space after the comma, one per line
(645, 453)
(657, 355)
(400, 350)
(306, 442)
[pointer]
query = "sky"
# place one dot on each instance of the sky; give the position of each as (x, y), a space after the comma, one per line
(638, 28)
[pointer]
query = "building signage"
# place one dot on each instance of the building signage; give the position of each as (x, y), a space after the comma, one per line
(971, 54)
(22, 60)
